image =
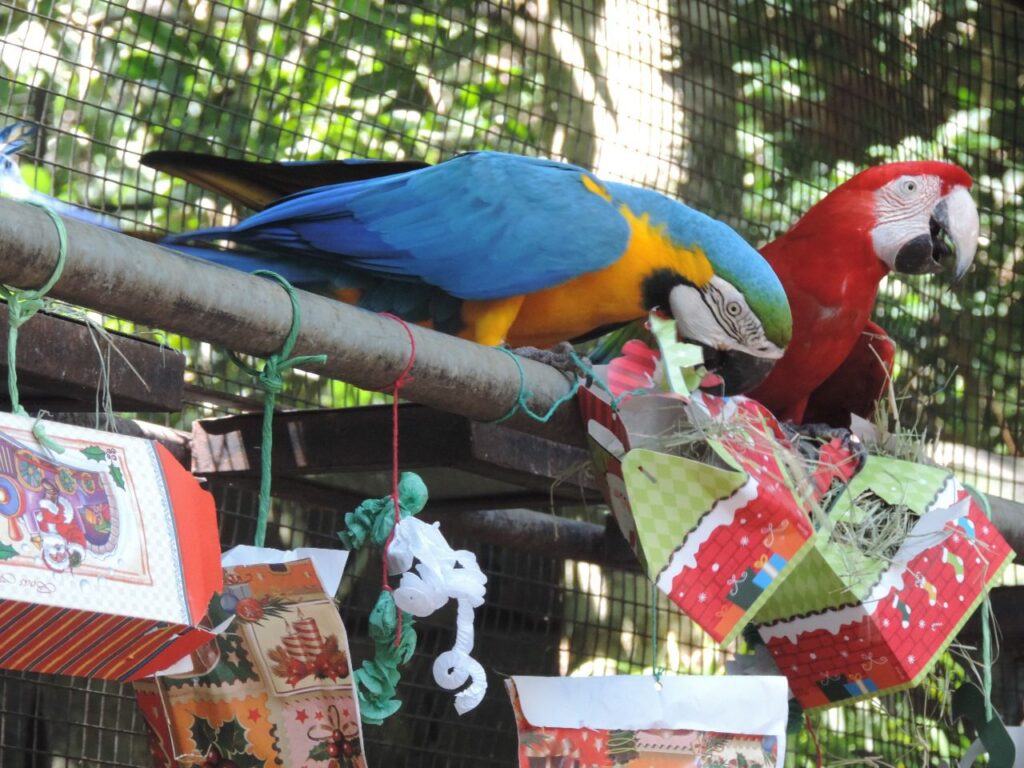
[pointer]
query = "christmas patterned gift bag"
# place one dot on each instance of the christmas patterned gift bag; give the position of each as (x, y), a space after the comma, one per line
(108, 553)
(850, 624)
(718, 534)
(637, 722)
(275, 687)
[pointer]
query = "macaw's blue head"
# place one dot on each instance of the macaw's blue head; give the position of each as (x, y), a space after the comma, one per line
(722, 294)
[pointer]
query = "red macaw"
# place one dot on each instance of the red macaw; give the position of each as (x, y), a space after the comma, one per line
(890, 217)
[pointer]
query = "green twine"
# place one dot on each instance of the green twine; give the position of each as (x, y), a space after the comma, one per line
(986, 617)
(271, 382)
(22, 304)
(593, 377)
(524, 396)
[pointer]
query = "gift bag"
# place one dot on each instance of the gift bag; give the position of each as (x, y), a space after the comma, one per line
(717, 522)
(109, 553)
(275, 687)
(904, 558)
(637, 722)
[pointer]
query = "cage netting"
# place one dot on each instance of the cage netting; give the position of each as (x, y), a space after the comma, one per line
(750, 110)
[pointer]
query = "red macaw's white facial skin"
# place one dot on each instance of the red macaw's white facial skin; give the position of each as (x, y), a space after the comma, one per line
(914, 214)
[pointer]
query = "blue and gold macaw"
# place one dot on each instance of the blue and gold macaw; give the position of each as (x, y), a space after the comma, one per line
(500, 248)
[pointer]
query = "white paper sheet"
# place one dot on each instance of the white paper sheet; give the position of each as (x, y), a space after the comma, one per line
(748, 704)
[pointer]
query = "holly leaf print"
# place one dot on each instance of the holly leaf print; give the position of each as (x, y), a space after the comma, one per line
(116, 476)
(95, 453)
(203, 734)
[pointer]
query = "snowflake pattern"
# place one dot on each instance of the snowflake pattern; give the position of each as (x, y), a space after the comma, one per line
(702, 597)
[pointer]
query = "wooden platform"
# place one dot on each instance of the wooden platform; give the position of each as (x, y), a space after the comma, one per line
(60, 365)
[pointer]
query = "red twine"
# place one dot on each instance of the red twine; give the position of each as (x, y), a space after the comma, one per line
(814, 739)
(401, 381)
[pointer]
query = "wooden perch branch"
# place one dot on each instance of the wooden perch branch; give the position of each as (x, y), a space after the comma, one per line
(154, 286)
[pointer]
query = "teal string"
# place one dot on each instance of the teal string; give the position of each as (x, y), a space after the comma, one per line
(655, 669)
(271, 381)
(522, 400)
(22, 305)
(592, 376)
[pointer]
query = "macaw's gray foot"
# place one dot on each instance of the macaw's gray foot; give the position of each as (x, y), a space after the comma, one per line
(562, 357)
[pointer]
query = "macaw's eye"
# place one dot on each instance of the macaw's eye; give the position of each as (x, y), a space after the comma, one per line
(733, 309)
(910, 186)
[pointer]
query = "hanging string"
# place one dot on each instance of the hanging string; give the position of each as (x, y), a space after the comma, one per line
(271, 381)
(655, 669)
(820, 762)
(22, 305)
(403, 379)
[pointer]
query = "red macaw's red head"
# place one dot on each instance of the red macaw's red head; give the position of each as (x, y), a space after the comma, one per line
(921, 213)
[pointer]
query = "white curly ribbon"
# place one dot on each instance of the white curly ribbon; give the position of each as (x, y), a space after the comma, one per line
(432, 574)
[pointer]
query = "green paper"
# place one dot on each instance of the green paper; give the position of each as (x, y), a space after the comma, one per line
(969, 703)
(669, 494)
(898, 482)
(833, 573)
(377, 680)
(374, 518)
(680, 359)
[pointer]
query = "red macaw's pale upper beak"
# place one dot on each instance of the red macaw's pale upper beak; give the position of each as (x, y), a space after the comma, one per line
(954, 217)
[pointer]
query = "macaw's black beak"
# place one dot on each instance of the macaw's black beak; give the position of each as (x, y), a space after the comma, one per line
(738, 371)
(954, 219)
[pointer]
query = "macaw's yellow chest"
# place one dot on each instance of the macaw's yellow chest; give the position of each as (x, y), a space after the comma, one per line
(606, 297)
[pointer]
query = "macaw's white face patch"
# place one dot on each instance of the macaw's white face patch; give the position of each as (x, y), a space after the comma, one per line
(718, 317)
(913, 219)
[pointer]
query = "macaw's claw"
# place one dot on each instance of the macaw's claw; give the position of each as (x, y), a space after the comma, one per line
(561, 357)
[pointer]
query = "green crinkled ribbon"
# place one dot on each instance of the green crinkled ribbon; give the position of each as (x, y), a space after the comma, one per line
(374, 519)
(22, 305)
(377, 679)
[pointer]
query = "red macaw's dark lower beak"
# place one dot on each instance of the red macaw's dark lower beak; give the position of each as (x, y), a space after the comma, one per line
(954, 217)
(739, 372)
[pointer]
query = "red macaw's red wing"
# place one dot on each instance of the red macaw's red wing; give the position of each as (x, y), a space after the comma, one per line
(857, 385)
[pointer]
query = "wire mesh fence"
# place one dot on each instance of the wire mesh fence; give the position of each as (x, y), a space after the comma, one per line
(749, 110)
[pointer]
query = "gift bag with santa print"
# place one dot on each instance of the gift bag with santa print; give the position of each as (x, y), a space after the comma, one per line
(275, 687)
(108, 553)
(638, 722)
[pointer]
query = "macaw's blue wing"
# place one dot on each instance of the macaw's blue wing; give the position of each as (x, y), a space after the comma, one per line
(257, 185)
(412, 300)
(481, 226)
